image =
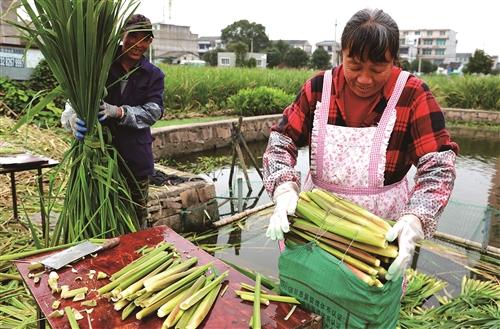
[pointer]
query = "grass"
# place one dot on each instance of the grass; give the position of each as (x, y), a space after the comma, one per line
(186, 121)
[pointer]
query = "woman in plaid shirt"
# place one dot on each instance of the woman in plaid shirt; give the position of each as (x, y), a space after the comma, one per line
(366, 123)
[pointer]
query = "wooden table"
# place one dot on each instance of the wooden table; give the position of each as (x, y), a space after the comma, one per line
(26, 162)
(229, 311)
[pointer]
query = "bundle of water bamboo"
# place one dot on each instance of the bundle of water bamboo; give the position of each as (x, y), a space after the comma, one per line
(345, 230)
(160, 281)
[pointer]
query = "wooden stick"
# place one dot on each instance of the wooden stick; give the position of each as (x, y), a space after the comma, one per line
(490, 250)
(240, 215)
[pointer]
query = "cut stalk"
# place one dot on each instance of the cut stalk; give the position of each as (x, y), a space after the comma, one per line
(251, 298)
(390, 251)
(139, 284)
(203, 308)
(250, 287)
(359, 210)
(339, 226)
(272, 298)
(128, 310)
(161, 280)
(361, 275)
(256, 304)
(203, 292)
(71, 317)
(177, 297)
(177, 312)
(338, 254)
(165, 292)
(325, 202)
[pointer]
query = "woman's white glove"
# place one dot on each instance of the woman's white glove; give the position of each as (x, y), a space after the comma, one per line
(285, 200)
(409, 231)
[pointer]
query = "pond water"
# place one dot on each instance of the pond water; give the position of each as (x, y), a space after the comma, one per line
(474, 195)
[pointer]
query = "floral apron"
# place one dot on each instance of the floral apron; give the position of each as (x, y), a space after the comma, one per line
(350, 162)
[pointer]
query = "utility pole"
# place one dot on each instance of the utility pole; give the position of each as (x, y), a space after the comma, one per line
(334, 46)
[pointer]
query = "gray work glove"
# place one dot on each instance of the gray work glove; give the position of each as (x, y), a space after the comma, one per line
(109, 111)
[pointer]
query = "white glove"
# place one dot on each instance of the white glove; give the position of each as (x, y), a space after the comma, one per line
(409, 231)
(285, 200)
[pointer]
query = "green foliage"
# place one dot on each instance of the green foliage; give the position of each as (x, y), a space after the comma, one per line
(240, 50)
(251, 62)
(296, 58)
(206, 89)
(15, 99)
(320, 59)
(42, 78)
(211, 57)
(425, 66)
(480, 62)
(251, 34)
(467, 92)
(276, 53)
(260, 101)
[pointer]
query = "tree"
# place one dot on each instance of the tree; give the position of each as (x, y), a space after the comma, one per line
(276, 53)
(425, 66)
(320, 59)
(296, 57)
(240, 49)
(480, 62)
(211, 57)
(251, 34)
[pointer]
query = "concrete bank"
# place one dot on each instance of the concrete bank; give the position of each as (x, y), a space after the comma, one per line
(184, 139)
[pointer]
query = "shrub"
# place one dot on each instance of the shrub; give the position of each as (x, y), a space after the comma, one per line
(259, 101)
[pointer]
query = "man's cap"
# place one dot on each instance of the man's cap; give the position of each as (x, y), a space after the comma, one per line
(139, 23)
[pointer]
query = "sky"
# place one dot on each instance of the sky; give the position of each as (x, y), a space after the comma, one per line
(477, 23)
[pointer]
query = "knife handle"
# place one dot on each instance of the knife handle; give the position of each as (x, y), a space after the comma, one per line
(110, 243)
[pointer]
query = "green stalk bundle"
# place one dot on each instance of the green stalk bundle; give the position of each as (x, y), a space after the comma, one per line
(79, 40)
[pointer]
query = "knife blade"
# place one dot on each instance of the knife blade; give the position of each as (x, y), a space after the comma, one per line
(68, 256)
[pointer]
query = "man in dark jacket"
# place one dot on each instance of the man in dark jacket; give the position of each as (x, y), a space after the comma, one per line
(132, 105)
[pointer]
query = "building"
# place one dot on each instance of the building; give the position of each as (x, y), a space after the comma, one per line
(226, 59)
(209, 43)
(438, 46)
(301, 44)
(173, 44)
(333, 49)
(13, 61)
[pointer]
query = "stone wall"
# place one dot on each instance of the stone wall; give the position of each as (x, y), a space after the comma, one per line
(176, 140)
(185, 207)
(472, 115)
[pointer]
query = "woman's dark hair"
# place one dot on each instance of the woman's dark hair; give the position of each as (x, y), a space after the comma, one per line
(369, 34)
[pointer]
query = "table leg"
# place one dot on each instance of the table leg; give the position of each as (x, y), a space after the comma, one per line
(14, 194)
(42, 205)
(40, 323)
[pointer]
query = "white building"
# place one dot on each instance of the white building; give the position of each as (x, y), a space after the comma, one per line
(438, 46)
(333, 49)
(174, 43)
(15, 62)
(209, 43)
(226, 59)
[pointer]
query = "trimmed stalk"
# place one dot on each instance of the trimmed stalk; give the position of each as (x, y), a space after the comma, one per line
(361, 275)
(128, 310)
(161, 247)
(203, 308)
(324, 202)
(203, 292)
(71, 317)
(72, 293)
(272, 298)
(341, 256)
(167, 291)
(250, 298)
(256, 304)
(339, 226)
(177, 312)
(390, 251)
(180, 295)
(359, 210)
(162, 280)
(139, 284)
(250, 287)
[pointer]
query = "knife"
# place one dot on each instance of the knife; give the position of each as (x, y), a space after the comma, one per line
(67, 256)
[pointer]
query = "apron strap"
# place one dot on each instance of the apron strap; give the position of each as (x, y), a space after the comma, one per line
(389, 111)
(323, 120)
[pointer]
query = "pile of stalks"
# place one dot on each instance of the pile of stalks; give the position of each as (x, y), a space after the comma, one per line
(345, 230)
(161, 282)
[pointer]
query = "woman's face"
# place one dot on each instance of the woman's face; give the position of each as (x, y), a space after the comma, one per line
(366, 78)
(135, 44)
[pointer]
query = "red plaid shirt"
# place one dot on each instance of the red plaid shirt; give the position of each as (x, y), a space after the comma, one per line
(419, 127)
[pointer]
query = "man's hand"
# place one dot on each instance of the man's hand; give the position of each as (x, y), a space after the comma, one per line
(285, 200)
(109, 111)
(78, 127)
(409, 231)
